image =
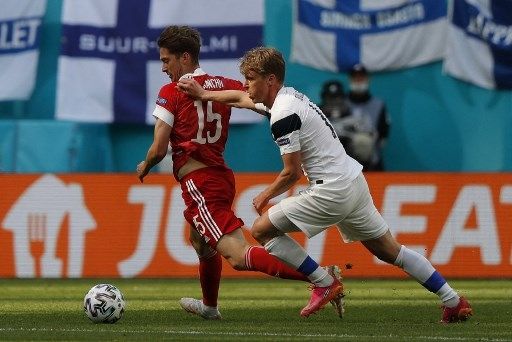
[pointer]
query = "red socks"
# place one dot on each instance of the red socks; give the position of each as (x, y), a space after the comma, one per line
(210, 269)
(258, 259)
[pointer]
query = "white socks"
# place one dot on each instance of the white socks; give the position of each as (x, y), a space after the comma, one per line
(291, 253)
(418, 267)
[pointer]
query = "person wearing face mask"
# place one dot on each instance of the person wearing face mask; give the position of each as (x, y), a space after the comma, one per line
(334, 106)
(334, 100)
(369, 122)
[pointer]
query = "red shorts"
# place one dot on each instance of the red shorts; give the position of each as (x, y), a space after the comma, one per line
(209, 193)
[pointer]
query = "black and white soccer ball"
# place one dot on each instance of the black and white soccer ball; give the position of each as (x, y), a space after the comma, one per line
(104, 303)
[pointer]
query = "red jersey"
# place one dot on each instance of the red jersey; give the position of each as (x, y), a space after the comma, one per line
(199, 129)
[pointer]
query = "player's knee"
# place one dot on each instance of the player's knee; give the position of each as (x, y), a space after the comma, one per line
(261, 232)
(258, 233)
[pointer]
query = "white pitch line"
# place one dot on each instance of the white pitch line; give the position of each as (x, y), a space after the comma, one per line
(257, 334)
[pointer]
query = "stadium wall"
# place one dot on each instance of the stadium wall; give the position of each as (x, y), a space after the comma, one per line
(438, 123)
(110, 225)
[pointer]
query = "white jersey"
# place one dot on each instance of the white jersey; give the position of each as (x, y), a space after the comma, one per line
(298, 124)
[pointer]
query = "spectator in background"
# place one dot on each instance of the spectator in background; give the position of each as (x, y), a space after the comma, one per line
(366, 130)
(335, 107)
(334, 101)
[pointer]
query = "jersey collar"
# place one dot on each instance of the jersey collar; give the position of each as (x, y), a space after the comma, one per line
(197, 72)
(281, 91)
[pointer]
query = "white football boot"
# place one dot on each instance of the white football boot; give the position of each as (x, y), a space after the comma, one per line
(337, 302)
(196, 307)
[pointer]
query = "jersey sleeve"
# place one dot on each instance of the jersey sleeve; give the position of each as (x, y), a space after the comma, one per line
(165, 105)
(285, 130)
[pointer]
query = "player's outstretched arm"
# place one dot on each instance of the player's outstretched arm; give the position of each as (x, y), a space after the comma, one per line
(289, 175)
(234, 98)
(157, 150)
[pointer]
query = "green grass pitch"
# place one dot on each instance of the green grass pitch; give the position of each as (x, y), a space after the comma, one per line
(254, 309)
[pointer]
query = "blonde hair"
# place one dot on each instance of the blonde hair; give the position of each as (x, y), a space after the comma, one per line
(263, 61)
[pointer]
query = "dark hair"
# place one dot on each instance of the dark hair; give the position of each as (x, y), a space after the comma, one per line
(358, 69)
(263, 61)
(181, 39)
(333, 88)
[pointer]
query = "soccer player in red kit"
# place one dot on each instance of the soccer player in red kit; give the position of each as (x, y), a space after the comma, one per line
(197, 132)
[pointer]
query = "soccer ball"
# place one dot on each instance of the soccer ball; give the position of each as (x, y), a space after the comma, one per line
(104, 303)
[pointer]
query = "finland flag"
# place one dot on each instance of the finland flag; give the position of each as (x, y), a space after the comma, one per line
(334, 35)
(20, 26)
(479, 48)
(109, 68)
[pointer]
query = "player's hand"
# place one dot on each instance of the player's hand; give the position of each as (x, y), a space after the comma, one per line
(141, 171)
(260, 202)
(190, 87)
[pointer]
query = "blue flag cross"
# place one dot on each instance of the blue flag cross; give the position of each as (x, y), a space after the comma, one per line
(131, 44)
(349, 23)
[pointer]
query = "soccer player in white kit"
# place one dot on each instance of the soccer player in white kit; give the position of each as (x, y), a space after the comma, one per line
(337, 195)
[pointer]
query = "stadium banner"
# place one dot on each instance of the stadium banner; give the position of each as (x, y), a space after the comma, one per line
(479, 48)
(109, 68)
(20, 31)
(334, 35)
(110, 225)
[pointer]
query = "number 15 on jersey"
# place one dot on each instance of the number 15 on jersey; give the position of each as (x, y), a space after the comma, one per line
(206, 135)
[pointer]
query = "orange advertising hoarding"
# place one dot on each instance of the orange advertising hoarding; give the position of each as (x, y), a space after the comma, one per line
(110, 225)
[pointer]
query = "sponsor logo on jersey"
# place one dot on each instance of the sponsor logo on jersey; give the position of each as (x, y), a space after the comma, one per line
(283, 141)
(161, 101)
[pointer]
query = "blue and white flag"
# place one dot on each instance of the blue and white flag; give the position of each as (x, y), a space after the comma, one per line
(334, 35)
(20, 27)
(109, 68)
(479, 48)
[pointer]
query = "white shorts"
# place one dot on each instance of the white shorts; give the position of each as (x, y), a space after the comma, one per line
(348, 206)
